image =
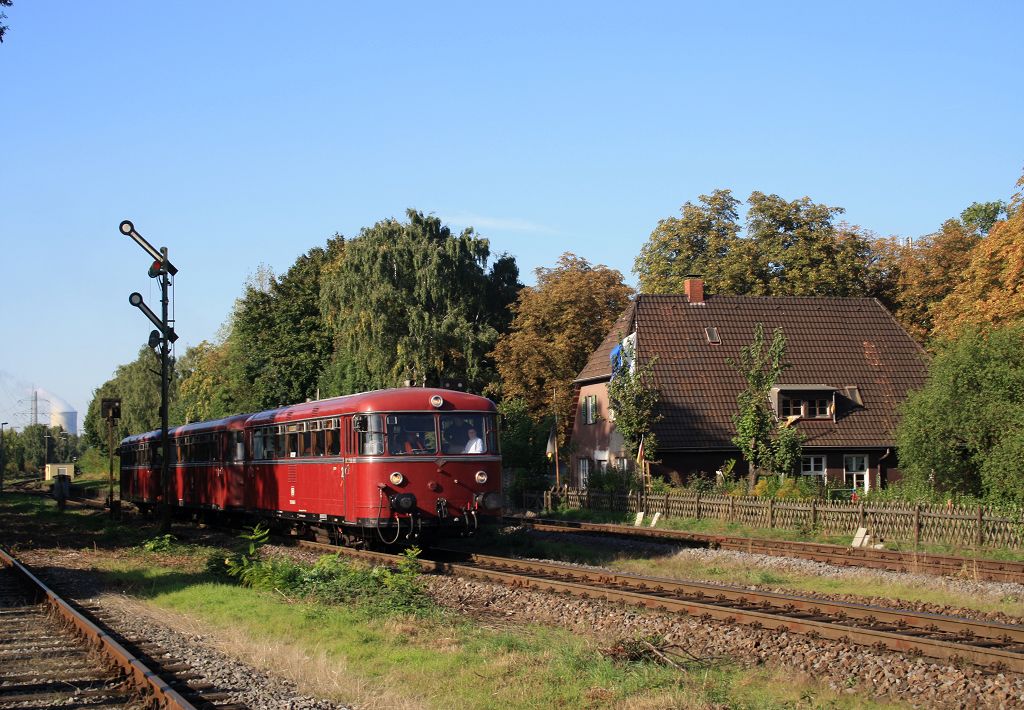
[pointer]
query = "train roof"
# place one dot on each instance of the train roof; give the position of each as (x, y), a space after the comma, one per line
(398, 399)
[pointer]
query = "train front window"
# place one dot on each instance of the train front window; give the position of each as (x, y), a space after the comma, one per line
(370, 433)
(411, 435)
(468, 434)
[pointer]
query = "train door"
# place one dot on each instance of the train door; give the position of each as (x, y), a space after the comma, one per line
(234, 470)
(333, 469)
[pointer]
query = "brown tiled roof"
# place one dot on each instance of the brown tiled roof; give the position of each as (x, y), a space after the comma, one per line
(835, 341)
(599, 365)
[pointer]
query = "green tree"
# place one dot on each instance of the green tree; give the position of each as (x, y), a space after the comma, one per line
(210, 384)
(767, 444)
(633, 396)
(697, 242)
(279, 343)
(557, 325)
(3, 16)
(788, 248)
(138, 386)
(981, 216)
(962, 431)
(411, 301)
(523, 442)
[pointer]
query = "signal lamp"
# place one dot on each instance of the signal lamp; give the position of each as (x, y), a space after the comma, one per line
(154, 339)
(155, 269)
(481, 477)
(396, 478)
(436, 401)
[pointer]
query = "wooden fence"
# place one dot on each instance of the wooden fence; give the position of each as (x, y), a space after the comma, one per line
(960, 526)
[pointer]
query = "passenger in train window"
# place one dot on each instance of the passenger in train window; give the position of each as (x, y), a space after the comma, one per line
(474, 444)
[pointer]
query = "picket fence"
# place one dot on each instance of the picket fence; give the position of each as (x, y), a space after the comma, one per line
(960, 526)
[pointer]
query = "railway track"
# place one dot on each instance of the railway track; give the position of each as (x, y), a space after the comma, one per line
(994, 646)
(892, 560)
(54, 655)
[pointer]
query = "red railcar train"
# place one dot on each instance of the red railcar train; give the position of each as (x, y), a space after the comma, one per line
(385, 466)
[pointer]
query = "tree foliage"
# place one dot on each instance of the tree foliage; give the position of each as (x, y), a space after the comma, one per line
(523, 443)
(633, 396)
(990, 289)
(279, 339)
(929, 270)
(789, 248)
(411, 301)
(765, 443)
(557, 325)
(138, 386)
(962, 432)
(3, 16)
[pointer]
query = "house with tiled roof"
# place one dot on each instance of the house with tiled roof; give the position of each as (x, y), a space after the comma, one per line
(850, 364)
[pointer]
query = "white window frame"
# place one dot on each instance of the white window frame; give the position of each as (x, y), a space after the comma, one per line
(857, 472)
(590, 409)
(813, 459)
(583, 471)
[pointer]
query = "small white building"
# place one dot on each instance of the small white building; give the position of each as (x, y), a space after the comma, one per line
(59, 469)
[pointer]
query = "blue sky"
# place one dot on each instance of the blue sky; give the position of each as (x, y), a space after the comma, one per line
(245, 133)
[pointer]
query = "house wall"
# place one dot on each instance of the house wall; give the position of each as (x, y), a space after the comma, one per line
(598, 442)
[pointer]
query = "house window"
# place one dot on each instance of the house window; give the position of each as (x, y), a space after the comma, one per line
(590, 409)
(855, 469)
(817, 408)
(583, 471)
(812, 465)
(791, 407)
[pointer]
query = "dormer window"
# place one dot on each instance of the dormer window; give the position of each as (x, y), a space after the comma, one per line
(810, 408)
(791, 407)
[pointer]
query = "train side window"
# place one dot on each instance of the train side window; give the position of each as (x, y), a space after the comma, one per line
(257, 445)
(236, 446)
(464, 434)
(369, 433)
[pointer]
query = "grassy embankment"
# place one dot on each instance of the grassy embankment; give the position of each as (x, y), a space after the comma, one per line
(372, 656)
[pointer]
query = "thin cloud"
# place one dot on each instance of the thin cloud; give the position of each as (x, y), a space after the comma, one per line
(465, 219)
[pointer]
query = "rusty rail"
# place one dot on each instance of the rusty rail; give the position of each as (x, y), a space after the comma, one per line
(840, 555)
(999, 647)
(143, 678)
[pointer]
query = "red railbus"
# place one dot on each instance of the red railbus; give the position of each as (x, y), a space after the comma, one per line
(388, 466)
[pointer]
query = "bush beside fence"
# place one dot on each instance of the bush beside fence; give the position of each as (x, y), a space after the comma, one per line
(960, 526)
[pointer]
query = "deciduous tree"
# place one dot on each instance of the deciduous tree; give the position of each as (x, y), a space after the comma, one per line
(765, 443)
(990, 290)
(411, 301)
(557, 325)
(962, 430)
(138, 386)
(789, 248)
(279, 338)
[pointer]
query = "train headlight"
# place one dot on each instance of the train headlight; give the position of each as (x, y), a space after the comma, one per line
(492, 501)
(402, 502)
(481, 477)
(437, 401)
(396, 478)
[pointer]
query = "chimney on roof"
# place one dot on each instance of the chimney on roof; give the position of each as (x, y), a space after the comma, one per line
(694, 286)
